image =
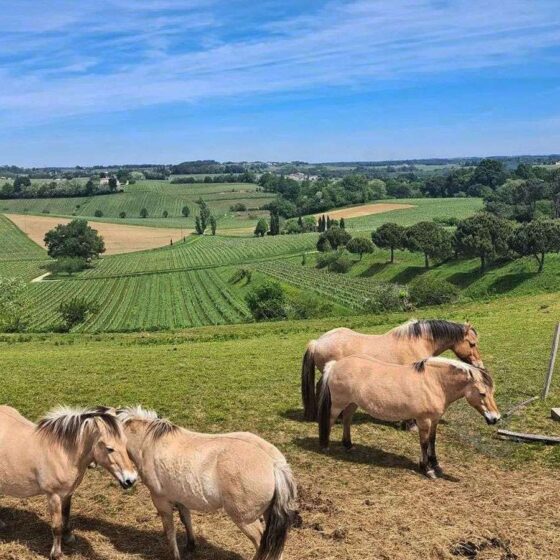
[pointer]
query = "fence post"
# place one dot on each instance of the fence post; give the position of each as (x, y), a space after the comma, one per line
(553, 353)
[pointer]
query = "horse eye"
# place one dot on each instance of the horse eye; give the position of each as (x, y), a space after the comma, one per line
(110, 450)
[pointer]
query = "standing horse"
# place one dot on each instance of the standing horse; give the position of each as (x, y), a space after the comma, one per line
(391, 392)
(51, 458)
(239, 472)
(404, 344)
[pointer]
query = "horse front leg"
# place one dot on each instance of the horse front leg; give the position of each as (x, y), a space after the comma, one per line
(55, 509)
(347, 414)
(424, 426)
(165, 511)
(432, 457)
(67, 536)
(185, 515)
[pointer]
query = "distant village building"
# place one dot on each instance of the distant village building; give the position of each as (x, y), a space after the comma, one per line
(302, 177)
(104, 181)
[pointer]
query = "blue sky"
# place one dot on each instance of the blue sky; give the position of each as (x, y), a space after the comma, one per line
(163, 81)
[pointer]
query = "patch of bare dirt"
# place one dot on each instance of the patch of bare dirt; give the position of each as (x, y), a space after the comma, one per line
(364, 210)
(119, 238)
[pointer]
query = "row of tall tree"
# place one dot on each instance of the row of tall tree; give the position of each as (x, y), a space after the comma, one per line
(484, 236)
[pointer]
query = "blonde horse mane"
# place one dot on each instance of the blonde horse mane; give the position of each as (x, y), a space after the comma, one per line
(157, 427)
(433, 329)
(476, 373)
(66, 425)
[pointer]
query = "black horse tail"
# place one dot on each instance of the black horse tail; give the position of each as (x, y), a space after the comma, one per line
(280, 515)
(325, 406)
(308, 396)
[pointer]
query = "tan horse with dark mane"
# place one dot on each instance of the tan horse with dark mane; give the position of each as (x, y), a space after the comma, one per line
(51, 458)
(239, 472)
(404, 344)
(391, 392)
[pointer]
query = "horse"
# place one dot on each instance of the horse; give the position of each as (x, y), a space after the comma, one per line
(392, 392)
(404, 344)
(239, 472)
(51, 458)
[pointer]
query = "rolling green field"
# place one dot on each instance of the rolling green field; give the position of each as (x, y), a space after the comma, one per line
(247, 377)
(155, 196)
(15, 245)
(425, 209)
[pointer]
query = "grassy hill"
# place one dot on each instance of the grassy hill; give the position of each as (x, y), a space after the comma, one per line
(247, 377)
(155, 196)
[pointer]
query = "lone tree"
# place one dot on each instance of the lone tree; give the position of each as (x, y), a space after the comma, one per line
(261, 228)
(144, 213)
(430, 239)
(536, 239)
(75, 239)
(359, 246)
(390, 236)
(267, 301)
(335, 236)
(213, 224)
(186, 211)
(484, 236)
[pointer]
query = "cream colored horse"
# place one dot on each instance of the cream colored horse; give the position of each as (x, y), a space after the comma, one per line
(238, 472)
(422, 391)
(404, 344)
(51, 458)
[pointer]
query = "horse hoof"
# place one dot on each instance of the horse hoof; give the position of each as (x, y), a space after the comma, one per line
(69, 538)
(190, 546)
(430, 474)
(438, 470)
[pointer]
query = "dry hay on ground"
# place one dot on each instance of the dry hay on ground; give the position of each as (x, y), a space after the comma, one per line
(364, 210)
(119, 238)
(367, 505)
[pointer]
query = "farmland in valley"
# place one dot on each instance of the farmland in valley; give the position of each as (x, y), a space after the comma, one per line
(156, 197)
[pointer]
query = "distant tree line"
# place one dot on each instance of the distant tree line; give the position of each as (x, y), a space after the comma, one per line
(245, 177)
(522, 194)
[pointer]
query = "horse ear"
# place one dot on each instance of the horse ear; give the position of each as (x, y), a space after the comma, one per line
(467, 326)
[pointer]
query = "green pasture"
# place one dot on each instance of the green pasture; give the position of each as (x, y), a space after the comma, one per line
(230, 377)
(424, 209)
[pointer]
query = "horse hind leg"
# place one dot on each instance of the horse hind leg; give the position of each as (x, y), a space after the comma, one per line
(254, 531)
(347, 415)
(67, 536)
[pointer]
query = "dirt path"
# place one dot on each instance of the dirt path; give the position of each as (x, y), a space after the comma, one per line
(119, 238)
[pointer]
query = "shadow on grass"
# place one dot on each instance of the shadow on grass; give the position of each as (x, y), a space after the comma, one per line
(408, 274)
(374, 269)
(296, 415)
(26, 527)
(509, 282)
(465, 279)
(367, 455)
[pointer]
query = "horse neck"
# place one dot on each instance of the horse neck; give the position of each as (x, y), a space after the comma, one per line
(453, 383)
(136, 431)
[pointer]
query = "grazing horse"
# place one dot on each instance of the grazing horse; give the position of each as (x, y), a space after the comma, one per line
(391, 392)
(239, 472)
(404, 344)
(51, 458)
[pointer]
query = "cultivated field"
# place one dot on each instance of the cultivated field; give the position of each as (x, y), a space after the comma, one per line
(119, 238)
(364, 210)
(156, 197)
(367, 504)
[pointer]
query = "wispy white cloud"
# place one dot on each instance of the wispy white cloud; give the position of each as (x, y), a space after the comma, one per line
(124, 54)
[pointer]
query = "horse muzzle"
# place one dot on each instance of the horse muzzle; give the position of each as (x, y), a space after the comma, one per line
(127, 480)
(491, 418)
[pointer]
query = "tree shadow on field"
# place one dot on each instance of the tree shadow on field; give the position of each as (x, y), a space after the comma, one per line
(408, 274)
(368, 455)
(149, 544)
(374, 269)
(28, 528)
(508, 282)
